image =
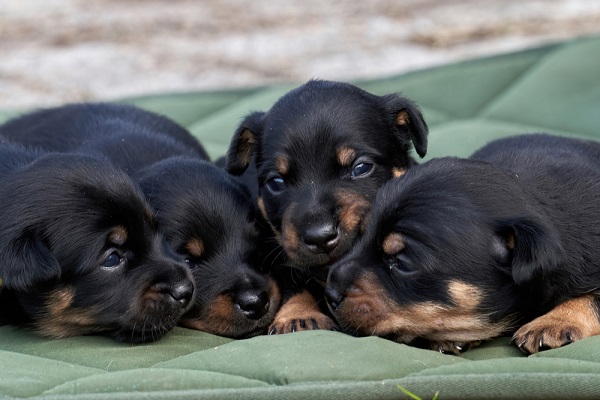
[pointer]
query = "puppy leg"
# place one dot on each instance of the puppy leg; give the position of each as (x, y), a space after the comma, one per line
(572, 320)
(300, 313)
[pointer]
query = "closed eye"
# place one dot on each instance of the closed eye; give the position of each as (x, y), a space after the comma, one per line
(401, 266)
(192, 262)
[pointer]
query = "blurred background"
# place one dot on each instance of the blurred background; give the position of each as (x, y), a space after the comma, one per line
(56, 51)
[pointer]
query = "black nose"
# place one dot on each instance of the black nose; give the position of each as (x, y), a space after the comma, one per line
(181, 292)
(252, 303)
(322, 237)
(334, 297)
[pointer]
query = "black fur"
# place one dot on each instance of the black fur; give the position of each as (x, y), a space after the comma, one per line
(487, 245)
(205, 214)
(80, 253)
(315, 203)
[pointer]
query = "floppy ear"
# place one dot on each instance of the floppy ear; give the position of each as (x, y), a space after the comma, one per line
(243, 143)
(409, 121)
(535, 247)
(26, 263)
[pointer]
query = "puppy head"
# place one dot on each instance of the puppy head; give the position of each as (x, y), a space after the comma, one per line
(322, 151)
(80, 250)
(208, 218)
(450, 253)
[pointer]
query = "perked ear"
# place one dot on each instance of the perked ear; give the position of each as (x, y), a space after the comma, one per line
(409, 120)
(535, 246)
(26, 263)
(243, 143)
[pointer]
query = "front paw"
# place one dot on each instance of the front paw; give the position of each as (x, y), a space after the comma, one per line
(314, 321)
(452, 347)
(300, 313)
(544, 334)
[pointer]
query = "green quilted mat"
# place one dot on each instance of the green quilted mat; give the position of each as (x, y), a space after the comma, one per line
(553, 89)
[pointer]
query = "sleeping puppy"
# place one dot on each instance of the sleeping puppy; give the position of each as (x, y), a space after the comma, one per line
(459, 251)
(321, 152)
(205, 214)
(80, 253)
(208, 217)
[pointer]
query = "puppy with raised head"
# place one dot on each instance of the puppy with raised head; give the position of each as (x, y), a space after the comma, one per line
(459, 251)
(321, 153)
(205, 214)
(80, 253)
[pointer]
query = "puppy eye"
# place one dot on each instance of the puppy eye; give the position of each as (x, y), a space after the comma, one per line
(361, 170)
(275, 184)
(113, 260)
(400, 266)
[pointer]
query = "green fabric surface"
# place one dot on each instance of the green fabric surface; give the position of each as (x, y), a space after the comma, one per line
(555, 89)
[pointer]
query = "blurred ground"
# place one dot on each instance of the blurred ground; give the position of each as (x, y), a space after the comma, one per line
(55, 51)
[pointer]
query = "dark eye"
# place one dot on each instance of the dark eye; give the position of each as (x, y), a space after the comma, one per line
(275, 184)
(361, 170)
(113, 260)
(401, 266)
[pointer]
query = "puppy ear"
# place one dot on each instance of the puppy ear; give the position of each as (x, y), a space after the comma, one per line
(534, 246)
(243, 143)
(409, 121)
(26, 263)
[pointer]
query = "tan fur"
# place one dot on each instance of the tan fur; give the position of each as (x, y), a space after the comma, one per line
(353, 209)
(195, 247)
(465, 296)
(217, 318)
(60, 320)
(282, 165)
(368, 308)
(345, 156)
(393, 244)
(398, 172)
(220, 317)
(300, 307)
(118, 235)
(247, 141)
(289, 238)
(570, 321)
(261, 207)
(510, 242)
(402, 118)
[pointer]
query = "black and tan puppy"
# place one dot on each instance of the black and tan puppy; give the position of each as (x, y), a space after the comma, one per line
(208, 217)
(205, 214)
(321, 153)
(458, 251)
(80, 253)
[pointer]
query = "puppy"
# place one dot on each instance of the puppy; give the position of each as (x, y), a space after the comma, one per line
(80, 253)
(321, 152)
(459, 251)
(205, 214)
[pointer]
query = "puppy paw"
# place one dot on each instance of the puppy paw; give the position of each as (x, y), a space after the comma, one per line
(300, 313)
(304, 323)
(572, 320)
(452, 347)
(545, 333)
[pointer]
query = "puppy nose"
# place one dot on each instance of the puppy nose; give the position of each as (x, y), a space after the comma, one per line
(252, 303)
(321, 238)
(182, 293)
(334, 297)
